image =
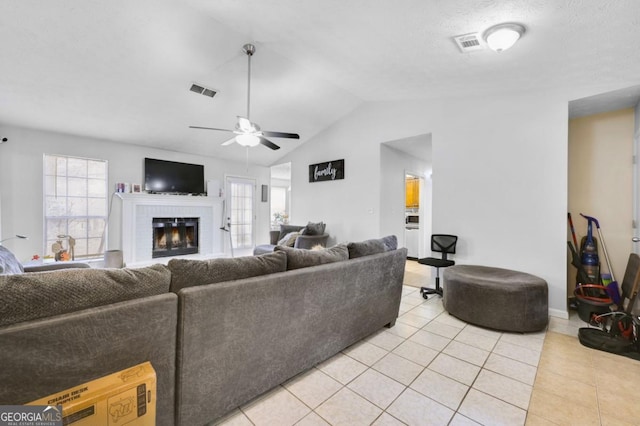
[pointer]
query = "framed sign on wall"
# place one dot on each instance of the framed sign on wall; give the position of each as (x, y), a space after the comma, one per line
(329, 170)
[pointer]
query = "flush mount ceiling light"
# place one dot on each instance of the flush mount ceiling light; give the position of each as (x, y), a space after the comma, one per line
(502, 36)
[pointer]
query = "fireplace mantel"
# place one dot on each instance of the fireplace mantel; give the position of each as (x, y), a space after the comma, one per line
(138, 211)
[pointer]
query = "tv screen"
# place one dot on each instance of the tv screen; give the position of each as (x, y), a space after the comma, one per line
(173, 177)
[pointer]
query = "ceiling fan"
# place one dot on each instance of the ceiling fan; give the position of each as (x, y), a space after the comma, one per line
(249, 133)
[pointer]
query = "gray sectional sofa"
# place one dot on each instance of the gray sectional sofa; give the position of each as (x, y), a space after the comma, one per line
(218, 332)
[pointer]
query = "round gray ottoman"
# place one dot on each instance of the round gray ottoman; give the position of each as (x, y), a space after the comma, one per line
(496, 298)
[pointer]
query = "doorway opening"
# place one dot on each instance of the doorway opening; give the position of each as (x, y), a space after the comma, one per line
(412, 195)
(405, 192)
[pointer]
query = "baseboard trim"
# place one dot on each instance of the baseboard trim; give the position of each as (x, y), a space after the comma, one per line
(558, 313)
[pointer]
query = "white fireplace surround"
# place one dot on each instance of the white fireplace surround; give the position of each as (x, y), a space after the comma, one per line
(138, 211)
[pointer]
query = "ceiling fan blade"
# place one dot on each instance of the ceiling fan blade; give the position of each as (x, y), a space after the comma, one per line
(266, 142)
(229, 142)
(210, 128)
(281, 135)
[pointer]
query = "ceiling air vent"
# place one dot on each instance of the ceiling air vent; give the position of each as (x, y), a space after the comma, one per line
(202, 90)
(469, 42)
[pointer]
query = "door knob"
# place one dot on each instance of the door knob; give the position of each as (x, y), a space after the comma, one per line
(635, 239)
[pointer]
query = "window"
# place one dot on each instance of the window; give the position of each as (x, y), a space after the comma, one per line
(75, 205)
(279, 211)
(241, 211)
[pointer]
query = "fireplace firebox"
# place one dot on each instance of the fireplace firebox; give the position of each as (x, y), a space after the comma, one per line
(174, 236)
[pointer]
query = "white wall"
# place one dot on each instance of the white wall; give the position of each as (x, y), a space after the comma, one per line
(499, 178)
(500, 183)
(21, 180)
(351, 207)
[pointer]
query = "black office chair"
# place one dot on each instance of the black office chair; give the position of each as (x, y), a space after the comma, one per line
(441, 243)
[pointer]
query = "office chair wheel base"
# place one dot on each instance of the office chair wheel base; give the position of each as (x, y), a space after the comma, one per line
(426, 291)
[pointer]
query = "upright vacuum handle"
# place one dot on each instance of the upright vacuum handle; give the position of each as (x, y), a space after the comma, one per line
(591, 219)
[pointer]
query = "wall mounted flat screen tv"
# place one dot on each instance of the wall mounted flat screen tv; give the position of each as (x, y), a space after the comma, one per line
(162, 176)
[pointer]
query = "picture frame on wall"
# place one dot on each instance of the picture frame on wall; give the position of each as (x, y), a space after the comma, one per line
(326, 171)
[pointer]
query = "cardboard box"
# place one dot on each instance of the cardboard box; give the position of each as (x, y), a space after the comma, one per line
(126, 397)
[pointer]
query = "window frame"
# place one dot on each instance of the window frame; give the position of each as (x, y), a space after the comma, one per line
(67, 219)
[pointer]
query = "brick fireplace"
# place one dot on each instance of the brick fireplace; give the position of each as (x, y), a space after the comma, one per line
(140, 242)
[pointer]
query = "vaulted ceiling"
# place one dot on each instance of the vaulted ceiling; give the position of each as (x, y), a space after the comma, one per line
(121, 69)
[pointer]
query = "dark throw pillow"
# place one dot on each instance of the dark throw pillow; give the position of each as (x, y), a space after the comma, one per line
(302, 258)
(373, 246)
(189, 273)
(314, 228)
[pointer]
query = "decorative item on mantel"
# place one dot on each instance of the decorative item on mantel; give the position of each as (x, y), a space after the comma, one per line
(329, 170)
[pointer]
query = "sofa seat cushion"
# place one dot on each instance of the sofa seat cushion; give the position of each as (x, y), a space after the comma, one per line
(302, 258)
(373, 246)
(43, 294)
(189, 273)
(8, 263)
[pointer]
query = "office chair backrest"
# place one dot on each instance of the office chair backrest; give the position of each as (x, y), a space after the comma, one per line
(444, 243)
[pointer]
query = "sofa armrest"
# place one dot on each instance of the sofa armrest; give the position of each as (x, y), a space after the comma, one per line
(308, 241)
(55, 266)
(273, 237)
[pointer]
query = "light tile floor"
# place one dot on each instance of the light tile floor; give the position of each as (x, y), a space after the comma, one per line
(433, 369)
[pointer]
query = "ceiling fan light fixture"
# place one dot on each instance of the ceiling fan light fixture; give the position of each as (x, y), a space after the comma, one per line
(248, 133)
(503, 36)
(248, 140)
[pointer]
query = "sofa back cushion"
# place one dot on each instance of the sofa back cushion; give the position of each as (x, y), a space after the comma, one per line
(373, 246)
(189, 273)
(302, 258)
(8, 263)
(36, 295)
